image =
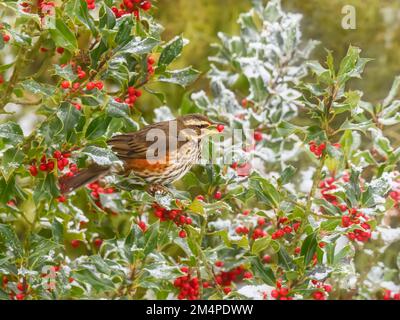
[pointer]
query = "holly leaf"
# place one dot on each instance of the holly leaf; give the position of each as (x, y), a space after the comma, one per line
(182, 77)
(100, 156)
(171, 51)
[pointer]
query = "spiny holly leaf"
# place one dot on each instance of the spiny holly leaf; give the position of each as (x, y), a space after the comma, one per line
(171, 51)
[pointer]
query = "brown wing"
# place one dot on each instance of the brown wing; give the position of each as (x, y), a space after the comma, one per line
(135, 145)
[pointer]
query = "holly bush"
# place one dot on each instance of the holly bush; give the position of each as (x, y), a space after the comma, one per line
(305, 208)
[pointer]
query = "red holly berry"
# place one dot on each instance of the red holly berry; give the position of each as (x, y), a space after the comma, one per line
(219, 264)
(20, 286)
(81, 74)
(90, 86)
(244, 102)
(218, 195)
(227, 290)
(33, 170)
(328, 288)
(182, 234)
(220, 127)
(20, 296)
(61, 199)
(65, 84)
(150, 60)
(146, 5)
(258, 136)
(142, 225)
(267, 259)
(75, 243)
(261, 221)
(98, 242)
(6, 37)
(60, 50)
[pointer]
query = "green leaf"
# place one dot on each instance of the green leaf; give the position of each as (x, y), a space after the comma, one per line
(151, 238)
(284, 260)
(63, 36)
(78, 10)
(171, 51)
(97, 127)
(139, 46)
(330, 224)
(10, 240)
(107, 18)
(260, 244)
(102, 157)
(46, 189)
(98, 283)
(11, 161)
(11, 132)
(392, 93)
(183, 77)
(265, 273)
(309, 247)
(121, 110)
(65, 72)
(5, 67)
(69, 117)
(38, 88)
(286, 175)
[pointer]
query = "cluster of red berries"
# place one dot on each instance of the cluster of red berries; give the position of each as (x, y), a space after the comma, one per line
(44, 7)
(97, 190)
(47, 165)
(389, 295)
(91, 85)
(258, 231)
(281, 292)
(91, 4)
(327, 186)
(317, 149)
(357, 218)
(354, 217)
(323, 290)
(285, 226)
(131, 6)
(179, 217)
(226, 278)
(150, 65)
(132, 95)
(22, 289)
(188, 286)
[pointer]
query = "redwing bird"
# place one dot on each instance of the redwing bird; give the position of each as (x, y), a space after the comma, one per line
(180, 139)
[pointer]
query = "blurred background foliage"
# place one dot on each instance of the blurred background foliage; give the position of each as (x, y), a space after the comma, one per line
(377, 33)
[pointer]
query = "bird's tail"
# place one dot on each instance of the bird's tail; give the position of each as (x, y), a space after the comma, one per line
(81, 178)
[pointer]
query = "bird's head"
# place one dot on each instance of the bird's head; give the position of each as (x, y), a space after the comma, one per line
(199, 125)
